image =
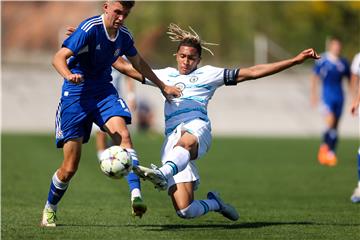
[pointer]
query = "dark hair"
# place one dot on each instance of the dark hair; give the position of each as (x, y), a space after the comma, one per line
(190, 42)
(127, 4)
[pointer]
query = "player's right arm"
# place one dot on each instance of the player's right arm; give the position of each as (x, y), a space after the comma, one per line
(60, 64)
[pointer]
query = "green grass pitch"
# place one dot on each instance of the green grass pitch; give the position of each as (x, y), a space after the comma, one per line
(279, 189)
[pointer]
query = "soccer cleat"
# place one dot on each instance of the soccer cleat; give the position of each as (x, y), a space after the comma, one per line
(226, 210)
(331, 159)
(323, 152)
(138, 207)
(153, 175)
(48, 218)
(355, 197)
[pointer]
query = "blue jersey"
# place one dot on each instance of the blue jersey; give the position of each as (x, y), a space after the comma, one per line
(94, 53)
(331, 73)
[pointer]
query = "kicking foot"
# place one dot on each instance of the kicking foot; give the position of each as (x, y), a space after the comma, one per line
(153, 175)
(226, 210)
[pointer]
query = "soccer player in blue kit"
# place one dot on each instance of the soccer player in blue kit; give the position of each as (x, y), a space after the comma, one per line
(330, 69)
(88, 97)
(187, 125)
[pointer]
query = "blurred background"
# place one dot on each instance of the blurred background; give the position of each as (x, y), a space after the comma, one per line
(248, 33)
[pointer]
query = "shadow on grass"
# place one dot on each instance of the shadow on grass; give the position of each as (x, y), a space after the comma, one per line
(172, 227)
(164, 227)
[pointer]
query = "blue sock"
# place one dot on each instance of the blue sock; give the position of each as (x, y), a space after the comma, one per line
(326, 138)
(132, 178)
(57, 190)
(333, 138)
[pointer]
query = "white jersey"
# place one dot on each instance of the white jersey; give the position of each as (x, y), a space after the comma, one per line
(197, 89)
(355, 66)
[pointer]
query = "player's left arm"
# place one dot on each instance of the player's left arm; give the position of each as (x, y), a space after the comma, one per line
(263, 70)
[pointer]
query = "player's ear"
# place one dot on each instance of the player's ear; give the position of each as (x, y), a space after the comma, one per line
(105, 7)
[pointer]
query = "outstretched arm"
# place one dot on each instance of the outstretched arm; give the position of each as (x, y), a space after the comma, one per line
(263, 70)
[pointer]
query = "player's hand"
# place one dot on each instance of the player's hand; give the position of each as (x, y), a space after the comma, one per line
(306, 54)
(70, 30)
(75, 78)
(354, 108)
(170, 92)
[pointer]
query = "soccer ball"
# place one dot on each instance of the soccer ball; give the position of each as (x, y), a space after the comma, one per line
(115, 162)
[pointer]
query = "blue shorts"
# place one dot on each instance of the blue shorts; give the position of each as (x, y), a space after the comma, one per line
(332, 106)
(75, 116)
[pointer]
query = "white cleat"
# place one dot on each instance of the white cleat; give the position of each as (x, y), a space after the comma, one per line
(355, 197)
(48, 218)
(226, 210)
(153, 174)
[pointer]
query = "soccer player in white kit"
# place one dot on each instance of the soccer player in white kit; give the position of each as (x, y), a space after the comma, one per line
(355, 80)
(187, 125)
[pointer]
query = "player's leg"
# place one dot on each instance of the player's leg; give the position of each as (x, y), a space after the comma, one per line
(332, 114)
(118, 131)
(182, 195)
(175, 161)
(101, 142)
(60, 180)
(182, 145)
(355, 197)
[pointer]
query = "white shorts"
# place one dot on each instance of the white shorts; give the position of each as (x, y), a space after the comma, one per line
(202, 130)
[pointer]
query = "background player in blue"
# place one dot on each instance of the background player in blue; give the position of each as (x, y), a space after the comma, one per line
(330, 70)
(354, 109)
(88, 97)
(187, 125)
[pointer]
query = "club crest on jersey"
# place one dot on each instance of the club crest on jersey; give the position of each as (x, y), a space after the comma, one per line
(181, 86)
(117, 52)
(193, 79)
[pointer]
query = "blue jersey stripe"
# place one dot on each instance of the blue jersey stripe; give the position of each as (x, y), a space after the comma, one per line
(186, 110)
(198, 99)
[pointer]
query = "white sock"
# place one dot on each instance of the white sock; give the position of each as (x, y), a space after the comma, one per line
(135, 193)
(99, 154)
(198, 208)
(176, 161)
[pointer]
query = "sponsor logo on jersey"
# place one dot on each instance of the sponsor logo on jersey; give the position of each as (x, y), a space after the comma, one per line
(193, 79)
(117, 52)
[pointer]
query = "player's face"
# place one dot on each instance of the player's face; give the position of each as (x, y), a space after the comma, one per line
(187, 59)
(115, 14)
(335, 47)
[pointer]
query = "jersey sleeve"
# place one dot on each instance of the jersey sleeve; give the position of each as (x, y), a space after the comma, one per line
(222, 76)
(159, 73)
(76, 41)
(128, 48)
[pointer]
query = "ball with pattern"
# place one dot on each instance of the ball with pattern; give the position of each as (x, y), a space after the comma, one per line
(115, 162)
